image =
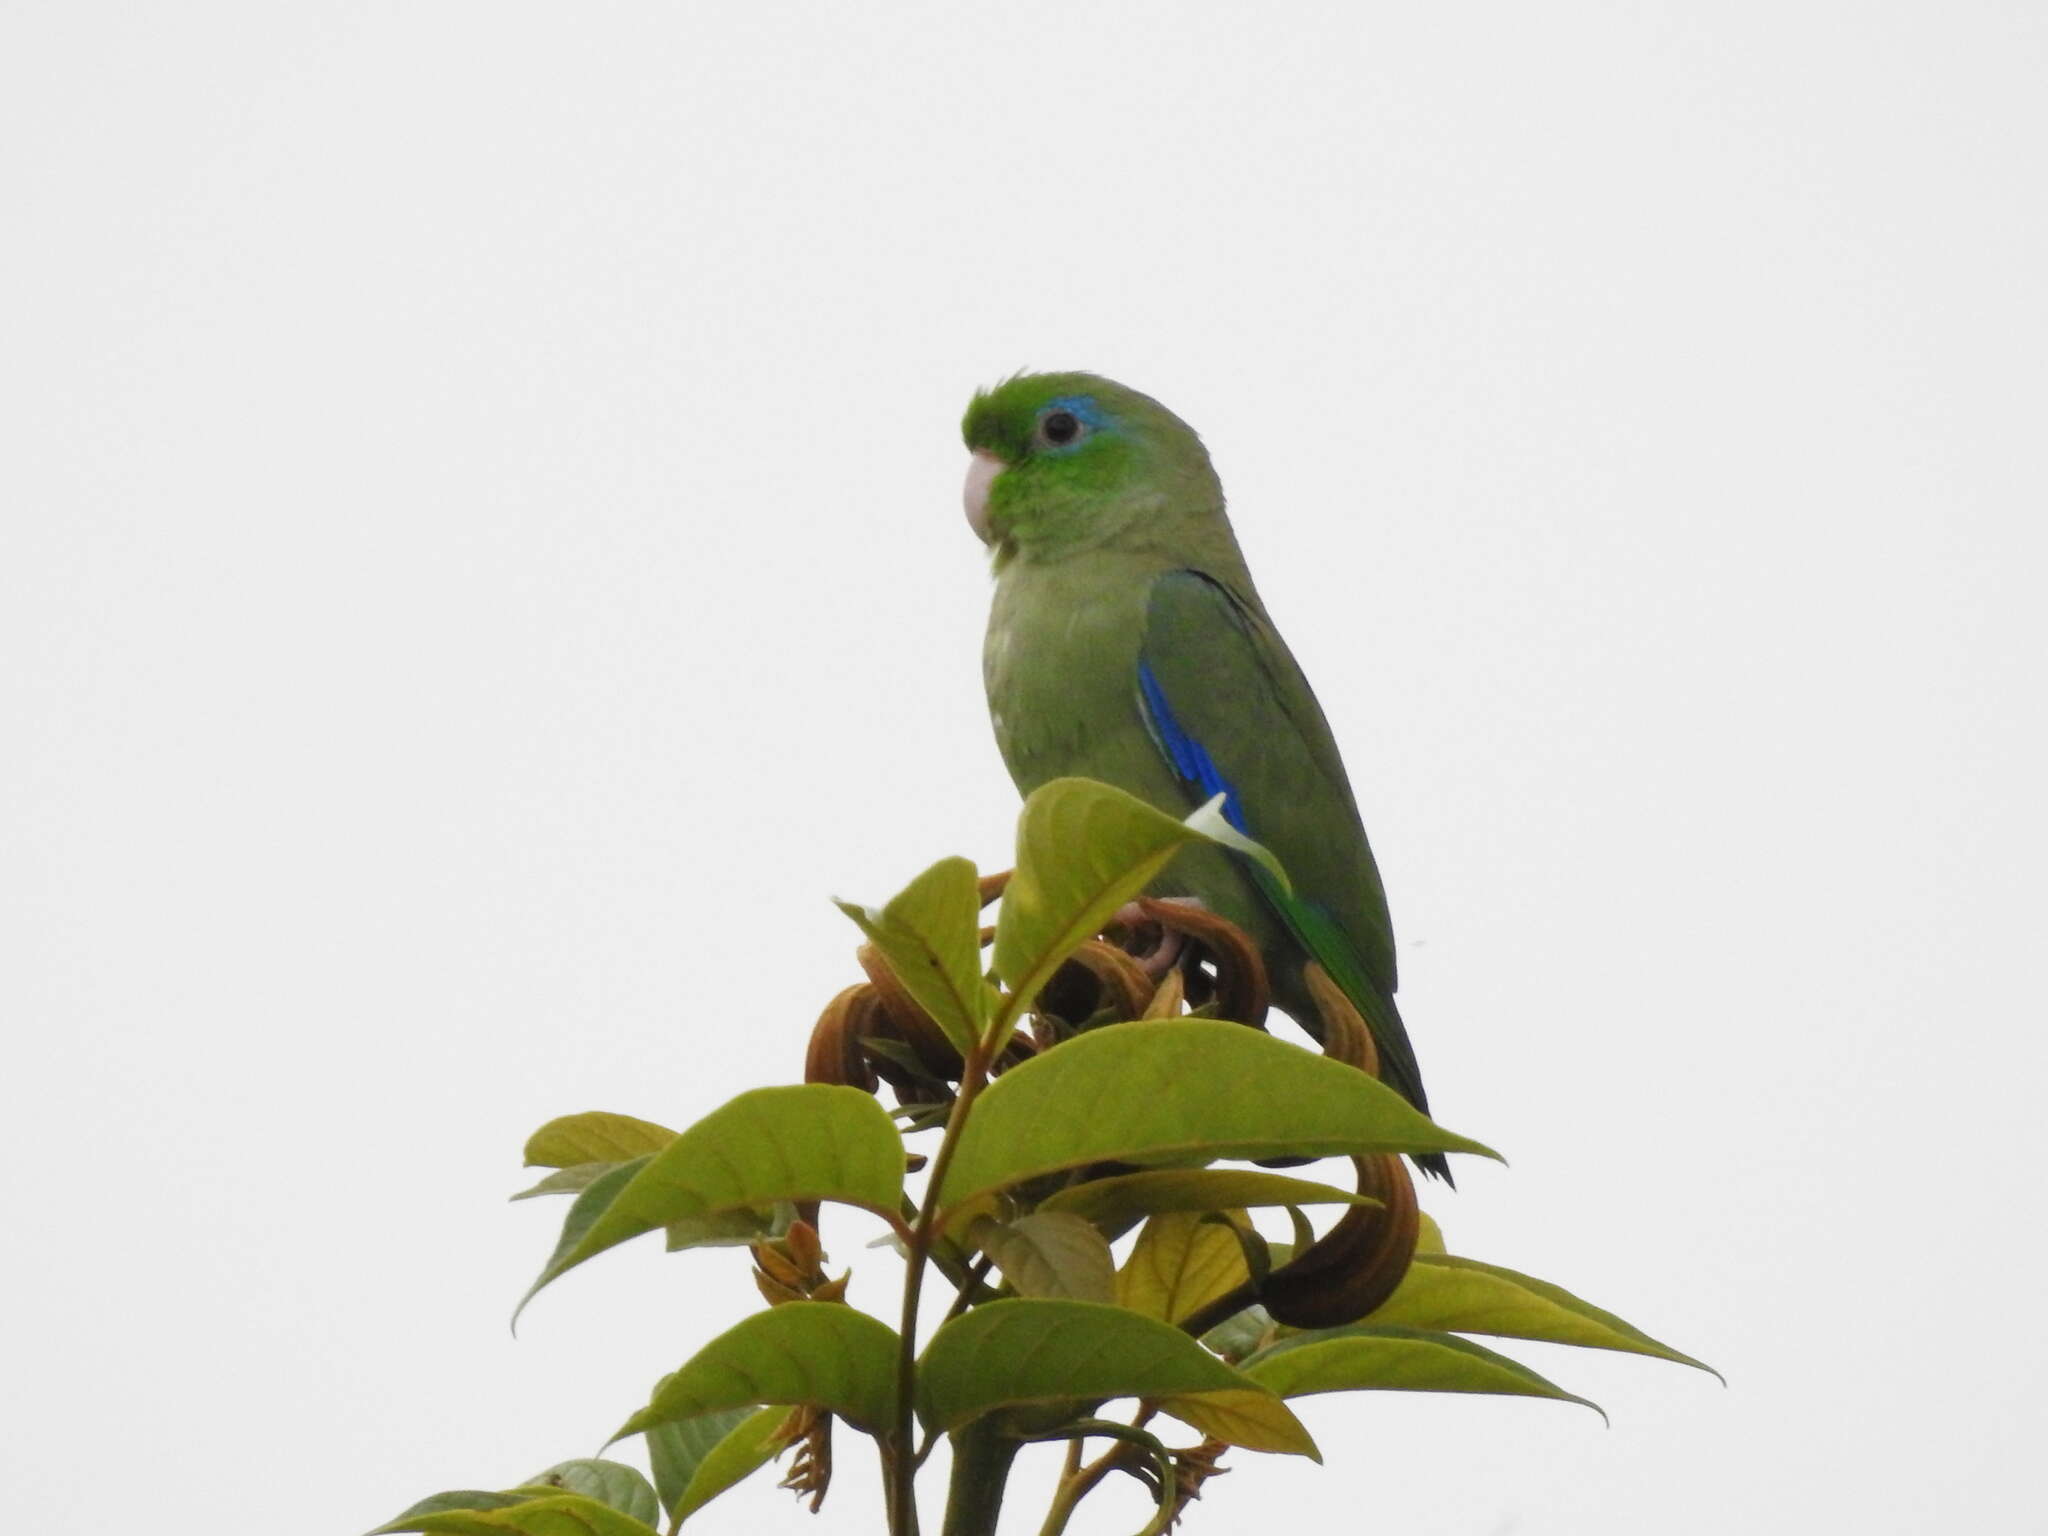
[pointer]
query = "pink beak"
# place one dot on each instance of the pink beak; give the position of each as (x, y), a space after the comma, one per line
(982, 470)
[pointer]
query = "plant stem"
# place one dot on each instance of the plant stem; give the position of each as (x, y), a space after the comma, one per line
(973, 1279)
(1070, 1489)
(894, 1477)
(981, 1466)
(900, 1456)
(1069, 1492)
(1222, 1309)
(1077, 1482)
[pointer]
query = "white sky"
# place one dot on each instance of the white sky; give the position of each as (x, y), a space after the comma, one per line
(482, 563)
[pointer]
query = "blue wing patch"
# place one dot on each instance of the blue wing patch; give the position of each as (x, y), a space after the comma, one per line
(1189, 758)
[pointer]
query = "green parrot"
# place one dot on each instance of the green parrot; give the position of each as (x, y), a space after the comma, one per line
(1127, 643)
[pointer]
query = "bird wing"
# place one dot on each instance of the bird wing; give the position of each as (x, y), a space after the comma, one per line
(1232, 714)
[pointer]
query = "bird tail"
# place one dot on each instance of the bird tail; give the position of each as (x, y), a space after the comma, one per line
(1397, 1065)
(1329, 946)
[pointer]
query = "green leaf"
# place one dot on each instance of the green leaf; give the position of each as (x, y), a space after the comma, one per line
(749, 1446)
(1083, 850)
(1304, 1234)
(608, 1482)
(903, 1054)
(812, 1142)
(1366, 1357)
(559, 1514)
(538, 1504)
(675, 1450)
(818, 1352)
(596, 1137)
(1115, 1202)
(572, 1180)
(730, 1229)
(453, 1499)
(1043, 1351)
(1049, 1253)
(1429, 1237)
(1172, 1088)
(1465, 1296)
(1241, 1333)
(584, 1214)
(931, 936)
(1181, 1263)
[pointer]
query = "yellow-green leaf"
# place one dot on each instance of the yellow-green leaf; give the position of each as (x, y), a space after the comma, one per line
(1049, 1253)
(624, 1488)
(1429, 1237)
(595, 1137)
(1083, 850)
(1181, 1263)
(812, 1142)
(818, 1352)
(1250, 1418)
(931, 936)
(1042, 1351)
(1456, 1295)
(1115, 1202)
(1365, 1357)
(1175, 1089)
(560, 1514)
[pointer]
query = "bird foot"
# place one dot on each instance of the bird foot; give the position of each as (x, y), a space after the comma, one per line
(1162, 955)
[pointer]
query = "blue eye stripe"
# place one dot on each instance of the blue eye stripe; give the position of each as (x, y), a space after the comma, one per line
(1081, 407)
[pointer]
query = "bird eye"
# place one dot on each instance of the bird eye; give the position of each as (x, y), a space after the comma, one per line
(1061, 428)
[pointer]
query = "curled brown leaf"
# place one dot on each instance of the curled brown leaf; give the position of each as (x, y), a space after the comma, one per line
(835, 1055)
(1346, 1036)
(1352, 1268)
(1098, 979)
(1241, 992)
(916, 1028)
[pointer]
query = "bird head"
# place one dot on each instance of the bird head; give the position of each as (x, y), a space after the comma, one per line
(1065, 462)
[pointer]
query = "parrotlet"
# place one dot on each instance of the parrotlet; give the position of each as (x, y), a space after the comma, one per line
(1127, 643)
